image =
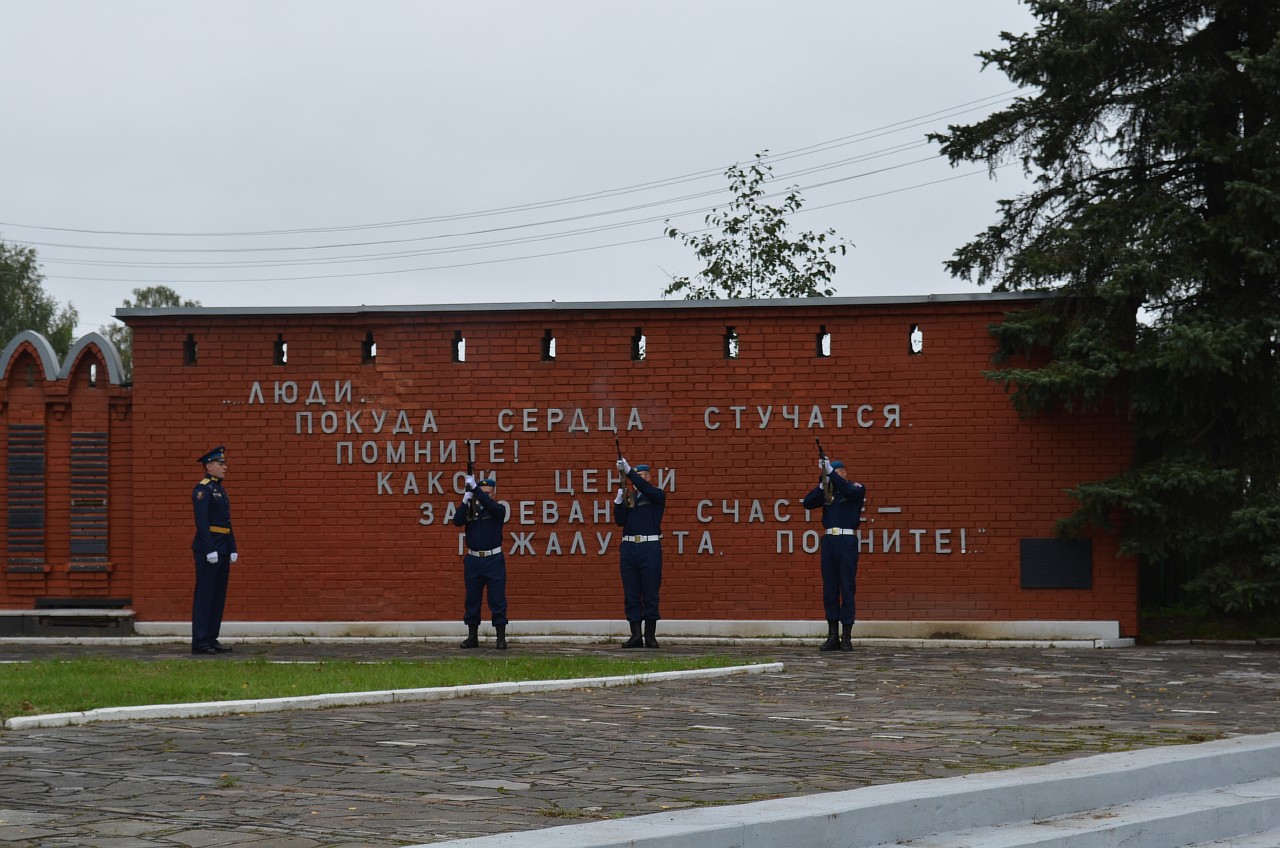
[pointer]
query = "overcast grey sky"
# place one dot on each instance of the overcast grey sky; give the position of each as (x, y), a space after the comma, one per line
(324, 152)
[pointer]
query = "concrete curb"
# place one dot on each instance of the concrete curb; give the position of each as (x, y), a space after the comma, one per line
(894, 814)
(515, 642)
(604, 629)
(348, 699)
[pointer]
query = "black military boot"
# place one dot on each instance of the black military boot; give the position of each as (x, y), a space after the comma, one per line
(833, 636)
(502, 636)
(471, 641)
(650, 628)
(635, 641)
(846, 637)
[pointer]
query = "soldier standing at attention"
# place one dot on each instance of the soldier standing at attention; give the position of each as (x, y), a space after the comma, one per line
(639, 514)
(214, 549)
(484, 565)
(841, 501)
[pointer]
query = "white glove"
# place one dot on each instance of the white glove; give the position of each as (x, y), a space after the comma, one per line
(624, 466)
(211, 557)
(618, 498)
(234, 556)
(467, 496)
(470, 481)
(825, 465)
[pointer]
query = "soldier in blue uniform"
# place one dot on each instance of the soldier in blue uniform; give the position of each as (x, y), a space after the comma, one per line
(841, 501)
(214, 549)
(483, 566)
(639, 514)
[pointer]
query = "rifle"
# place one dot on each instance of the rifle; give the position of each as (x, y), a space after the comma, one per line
(824, 480)
(473, 508)
(628, 497)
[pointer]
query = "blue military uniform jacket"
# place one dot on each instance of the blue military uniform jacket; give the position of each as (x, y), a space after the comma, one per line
(213, 519)
(484, 532)
(645, 518)
(845, 509)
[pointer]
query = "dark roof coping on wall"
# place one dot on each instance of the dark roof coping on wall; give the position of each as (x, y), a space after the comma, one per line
(553, 306)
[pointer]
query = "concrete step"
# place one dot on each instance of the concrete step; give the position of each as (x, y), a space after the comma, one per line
(1169, 797)
(1167, 821)
(76, 622)
(1265, 839)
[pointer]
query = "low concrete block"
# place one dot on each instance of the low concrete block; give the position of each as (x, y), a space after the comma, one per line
(899, 813)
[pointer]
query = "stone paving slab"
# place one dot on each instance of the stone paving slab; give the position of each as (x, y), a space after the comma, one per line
(405, 773)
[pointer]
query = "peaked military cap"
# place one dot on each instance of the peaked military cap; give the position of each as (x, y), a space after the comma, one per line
(218, 454)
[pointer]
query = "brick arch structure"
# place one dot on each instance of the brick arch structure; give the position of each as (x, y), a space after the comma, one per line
(101, 349)
(65, 447)
(33, 350)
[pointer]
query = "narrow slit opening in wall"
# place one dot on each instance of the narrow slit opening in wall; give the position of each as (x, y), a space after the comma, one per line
(281, 354)
(638, 345)
(915, 340)
(93, 375)
(368, 349)
(31, 375)
(459, 347)
(189, 350)
(730, 343)
(548, 346)
(824, 342)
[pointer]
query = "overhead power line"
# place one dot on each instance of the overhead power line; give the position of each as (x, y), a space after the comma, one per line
(480, 237)
(521, 226)
(877, 132)
(526, 256)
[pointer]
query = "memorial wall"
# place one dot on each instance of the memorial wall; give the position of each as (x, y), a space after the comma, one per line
(348, 432)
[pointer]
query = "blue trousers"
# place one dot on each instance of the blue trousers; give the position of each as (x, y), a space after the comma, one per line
(641, 566)
(839, 577)
(209, 599)
(479, 574)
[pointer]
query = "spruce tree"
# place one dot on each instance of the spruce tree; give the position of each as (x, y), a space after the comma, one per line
(1152, 131)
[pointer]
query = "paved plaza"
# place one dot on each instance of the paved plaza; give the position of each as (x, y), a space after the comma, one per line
(403, 774)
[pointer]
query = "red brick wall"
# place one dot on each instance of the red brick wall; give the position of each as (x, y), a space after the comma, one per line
(321, 538)
(86, 400)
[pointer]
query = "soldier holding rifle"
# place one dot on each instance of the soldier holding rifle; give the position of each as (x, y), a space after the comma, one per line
(639, 514)
(483, 566)
(841, 501)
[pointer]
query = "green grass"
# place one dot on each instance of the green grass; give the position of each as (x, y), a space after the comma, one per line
(56, 686)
